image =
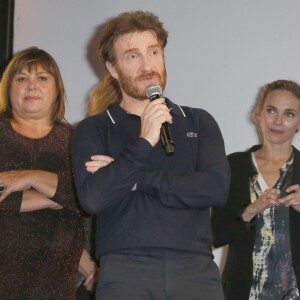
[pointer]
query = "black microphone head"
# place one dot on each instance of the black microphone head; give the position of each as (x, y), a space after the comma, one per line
(153, 92)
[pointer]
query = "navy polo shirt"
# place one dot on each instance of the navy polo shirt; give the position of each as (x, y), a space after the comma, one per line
(169, 210)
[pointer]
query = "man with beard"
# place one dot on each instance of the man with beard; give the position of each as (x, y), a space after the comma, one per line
(153, 225)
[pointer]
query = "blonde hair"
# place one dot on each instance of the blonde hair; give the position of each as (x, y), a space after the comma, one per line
(104, 95)
(283, 85)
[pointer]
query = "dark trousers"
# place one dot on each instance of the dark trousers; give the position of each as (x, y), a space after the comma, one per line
(131, 277)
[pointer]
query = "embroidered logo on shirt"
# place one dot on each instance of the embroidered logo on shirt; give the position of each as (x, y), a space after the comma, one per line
(191, 135)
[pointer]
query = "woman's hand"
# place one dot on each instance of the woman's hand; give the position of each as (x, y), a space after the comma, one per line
(15, 181)
(268, 198)
(97, 162)
(21, 180)
(293, 199)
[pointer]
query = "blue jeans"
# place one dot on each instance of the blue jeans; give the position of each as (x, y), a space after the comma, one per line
(133, 277)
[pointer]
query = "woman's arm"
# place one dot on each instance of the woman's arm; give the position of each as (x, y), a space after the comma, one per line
(267, 199)
(33, 200)
(42, 181)
(37, 187)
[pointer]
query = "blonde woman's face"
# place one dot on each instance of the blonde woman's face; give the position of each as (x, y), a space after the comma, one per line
(279, 117)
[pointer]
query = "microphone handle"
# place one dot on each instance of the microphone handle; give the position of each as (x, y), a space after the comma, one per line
(165, 132)
(166, 138)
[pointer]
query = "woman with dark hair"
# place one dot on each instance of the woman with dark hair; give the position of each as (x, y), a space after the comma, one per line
(261, 219)
(41, 225)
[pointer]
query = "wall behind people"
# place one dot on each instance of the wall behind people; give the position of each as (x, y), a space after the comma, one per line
(218, 56)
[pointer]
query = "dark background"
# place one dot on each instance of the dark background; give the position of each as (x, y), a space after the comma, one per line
(6, 32)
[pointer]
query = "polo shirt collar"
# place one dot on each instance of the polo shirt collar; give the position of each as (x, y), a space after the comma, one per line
(117, 113)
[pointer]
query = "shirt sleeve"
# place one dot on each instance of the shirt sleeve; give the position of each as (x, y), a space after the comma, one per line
(65, 194)
(111, 183)
(65, 191)
(227, 224)
(207, 186)
(12, 203)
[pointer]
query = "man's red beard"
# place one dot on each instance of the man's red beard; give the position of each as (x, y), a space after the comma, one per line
(130, 87)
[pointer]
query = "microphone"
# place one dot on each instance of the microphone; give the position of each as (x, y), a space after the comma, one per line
(154, 92)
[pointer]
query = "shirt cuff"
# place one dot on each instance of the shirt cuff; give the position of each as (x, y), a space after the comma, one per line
(12, 203)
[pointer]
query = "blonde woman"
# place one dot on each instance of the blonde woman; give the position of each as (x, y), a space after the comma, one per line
(261, 219)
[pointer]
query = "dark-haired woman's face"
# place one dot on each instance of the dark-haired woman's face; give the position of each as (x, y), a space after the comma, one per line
(279, 117)
(32, 94)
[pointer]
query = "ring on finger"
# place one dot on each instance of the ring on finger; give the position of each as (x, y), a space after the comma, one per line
(2, 188)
